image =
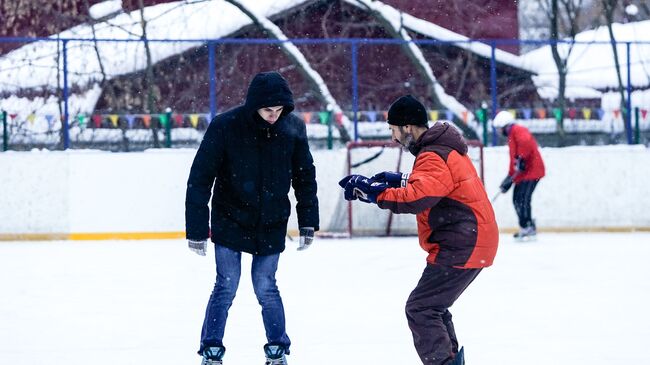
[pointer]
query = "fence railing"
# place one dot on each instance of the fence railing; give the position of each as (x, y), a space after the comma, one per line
(53, 95)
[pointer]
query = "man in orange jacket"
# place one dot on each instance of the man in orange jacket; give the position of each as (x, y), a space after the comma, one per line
(525, 170)
(456, 223)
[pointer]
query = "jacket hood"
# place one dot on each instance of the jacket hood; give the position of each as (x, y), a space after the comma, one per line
(269, 89)
(440, 134)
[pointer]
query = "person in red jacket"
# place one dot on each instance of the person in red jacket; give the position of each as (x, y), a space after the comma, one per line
(456, 223)
(525, 170)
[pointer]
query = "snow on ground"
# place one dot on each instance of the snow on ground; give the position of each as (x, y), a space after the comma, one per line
(565, 299)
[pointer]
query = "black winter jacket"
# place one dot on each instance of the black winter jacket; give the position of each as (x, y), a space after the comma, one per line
(250, 164)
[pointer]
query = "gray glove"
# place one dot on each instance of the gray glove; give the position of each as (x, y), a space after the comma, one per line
(306, 238)
(197, 246)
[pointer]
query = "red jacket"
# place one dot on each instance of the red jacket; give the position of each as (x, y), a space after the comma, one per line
(522, 144)
(456, 223)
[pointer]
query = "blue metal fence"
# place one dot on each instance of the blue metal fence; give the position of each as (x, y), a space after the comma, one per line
(353, 43)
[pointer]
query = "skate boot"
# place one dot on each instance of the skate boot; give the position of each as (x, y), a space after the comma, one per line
(275, 355)
(213, 355)
(460, 357)
(526, 234)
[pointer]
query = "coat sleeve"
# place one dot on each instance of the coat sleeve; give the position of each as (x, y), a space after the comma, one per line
(429, 182)
(304, 181)
(206, 163)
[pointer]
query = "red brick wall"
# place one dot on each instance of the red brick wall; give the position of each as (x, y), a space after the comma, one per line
(489, 19)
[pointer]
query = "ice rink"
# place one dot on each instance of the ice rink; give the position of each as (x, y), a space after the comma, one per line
(578, 298)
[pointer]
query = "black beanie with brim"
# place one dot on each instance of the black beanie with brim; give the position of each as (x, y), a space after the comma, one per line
(407, 110)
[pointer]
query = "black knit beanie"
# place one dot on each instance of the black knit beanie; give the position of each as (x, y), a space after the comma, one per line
(407, 110)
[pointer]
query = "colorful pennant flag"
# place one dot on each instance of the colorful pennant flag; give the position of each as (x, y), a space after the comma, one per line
(81, 120)
(433, 115)
(644, 113)
(338, 118)
(572, 113)
(49, 118)
(163, 119)
(306, 116)
(194, 120)
(479, 115)
(31, 117)
(586, 113)
(114, 118)
(323, 117)
(527, 112)
(372, 116)
(130, 118)
(541, 113)
(617, 112)
(449, 115)
(178, 119)
(557, 113)
(97, 120)
(146, 119)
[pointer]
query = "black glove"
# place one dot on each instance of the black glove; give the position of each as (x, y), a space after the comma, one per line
(199, 247)
(506, 184)
(393, 179)
(520, 165)
(306, 238)
(362, 188)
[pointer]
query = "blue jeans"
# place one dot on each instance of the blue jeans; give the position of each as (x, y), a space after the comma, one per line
(228, 272)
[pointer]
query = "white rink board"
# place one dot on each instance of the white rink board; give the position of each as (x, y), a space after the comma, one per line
(92, 191)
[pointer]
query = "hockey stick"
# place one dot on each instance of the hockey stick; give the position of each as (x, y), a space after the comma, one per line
(500, 192)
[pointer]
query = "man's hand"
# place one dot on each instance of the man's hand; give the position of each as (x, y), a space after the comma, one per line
(198, 246)
(520, 165)
(362, 188)
(506, 184)
(348, 194)
(393, 179)
(306, 238)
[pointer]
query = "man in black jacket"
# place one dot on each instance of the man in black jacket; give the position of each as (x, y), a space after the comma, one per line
(247, 161)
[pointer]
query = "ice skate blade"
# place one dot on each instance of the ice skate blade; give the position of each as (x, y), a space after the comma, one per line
(526, 239)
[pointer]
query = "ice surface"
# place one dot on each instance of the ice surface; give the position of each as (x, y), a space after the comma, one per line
(565, 299)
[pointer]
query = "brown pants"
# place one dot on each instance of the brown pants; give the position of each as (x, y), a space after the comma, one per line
(428, 315)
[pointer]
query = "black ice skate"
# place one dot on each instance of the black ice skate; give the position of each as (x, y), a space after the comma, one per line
(275, 355)
(213, 355)
(526, 234)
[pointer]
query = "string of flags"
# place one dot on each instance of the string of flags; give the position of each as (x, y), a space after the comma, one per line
(595, 114)
(130, 121)
(201, 120)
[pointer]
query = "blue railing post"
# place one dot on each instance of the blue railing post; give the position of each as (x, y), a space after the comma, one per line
(493, 89)
(213, 80)
(355, 90)
(64, 121)
(628, 105)
(5, 132)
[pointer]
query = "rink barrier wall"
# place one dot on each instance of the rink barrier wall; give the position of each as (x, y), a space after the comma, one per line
(292, 232)
(94, 195)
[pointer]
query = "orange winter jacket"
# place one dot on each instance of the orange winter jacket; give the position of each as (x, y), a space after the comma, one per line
(456, 223)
